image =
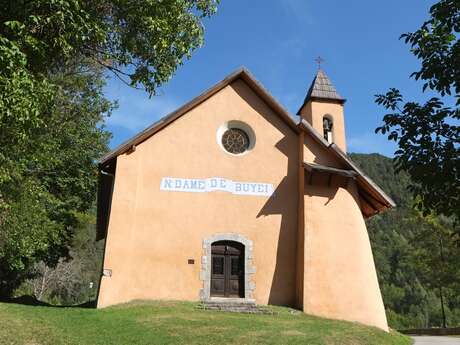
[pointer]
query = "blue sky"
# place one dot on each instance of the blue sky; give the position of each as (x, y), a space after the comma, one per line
(278, 40)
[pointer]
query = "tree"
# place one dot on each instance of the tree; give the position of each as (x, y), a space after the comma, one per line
(74, 280)
(407, 251)
(428, 134)
(437, 258)
(51, 176)
(53, 59)
(141, 41)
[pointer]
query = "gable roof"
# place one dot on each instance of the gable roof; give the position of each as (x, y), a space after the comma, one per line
(322, 88)
(241, 73)
(376, 198)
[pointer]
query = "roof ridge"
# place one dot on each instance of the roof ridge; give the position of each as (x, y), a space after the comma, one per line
(241, 72)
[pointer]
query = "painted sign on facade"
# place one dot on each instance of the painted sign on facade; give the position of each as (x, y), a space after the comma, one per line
(215, 184)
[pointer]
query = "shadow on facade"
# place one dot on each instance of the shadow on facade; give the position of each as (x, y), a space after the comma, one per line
(283, 202)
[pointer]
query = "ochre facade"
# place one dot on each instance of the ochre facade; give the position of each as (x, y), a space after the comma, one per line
(308, 242)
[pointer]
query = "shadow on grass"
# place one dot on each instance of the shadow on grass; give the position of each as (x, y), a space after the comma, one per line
(32, 301)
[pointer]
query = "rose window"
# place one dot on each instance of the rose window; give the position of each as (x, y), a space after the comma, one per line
(235, 140)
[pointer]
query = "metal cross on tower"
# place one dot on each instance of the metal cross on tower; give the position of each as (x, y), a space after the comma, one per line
(319, 60)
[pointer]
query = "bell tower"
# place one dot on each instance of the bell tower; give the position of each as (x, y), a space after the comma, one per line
(323, 109)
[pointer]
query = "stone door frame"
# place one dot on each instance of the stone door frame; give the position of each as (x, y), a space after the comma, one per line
(249, 269)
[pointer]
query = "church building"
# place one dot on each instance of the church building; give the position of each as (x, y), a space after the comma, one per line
(230, 197)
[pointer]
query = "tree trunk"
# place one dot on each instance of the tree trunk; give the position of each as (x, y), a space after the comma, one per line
(42, 285)
(444, 323)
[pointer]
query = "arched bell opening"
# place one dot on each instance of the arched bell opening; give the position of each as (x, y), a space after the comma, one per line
(328, 128)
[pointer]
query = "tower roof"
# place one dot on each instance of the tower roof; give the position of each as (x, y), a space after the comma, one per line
(322, 88)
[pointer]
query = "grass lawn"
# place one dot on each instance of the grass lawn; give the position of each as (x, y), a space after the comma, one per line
(150, 323)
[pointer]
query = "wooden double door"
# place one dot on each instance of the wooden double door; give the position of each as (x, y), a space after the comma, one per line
(227, 269)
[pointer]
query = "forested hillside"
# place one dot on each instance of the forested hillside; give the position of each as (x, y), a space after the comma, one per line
(416, 259)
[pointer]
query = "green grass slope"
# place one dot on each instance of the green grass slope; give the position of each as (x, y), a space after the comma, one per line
(153, 323)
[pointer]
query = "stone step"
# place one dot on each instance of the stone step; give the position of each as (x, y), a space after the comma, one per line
(229, 304)
(240, 306)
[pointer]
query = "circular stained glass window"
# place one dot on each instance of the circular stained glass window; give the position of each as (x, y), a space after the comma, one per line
(235, 140)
